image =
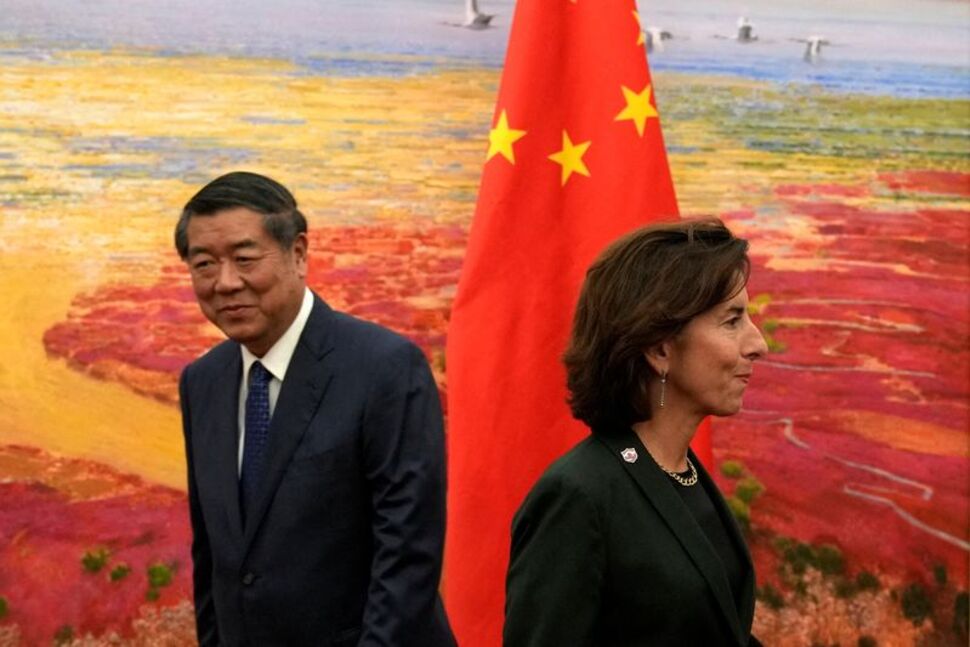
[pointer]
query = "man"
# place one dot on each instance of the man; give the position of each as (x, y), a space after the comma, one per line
(314, 444)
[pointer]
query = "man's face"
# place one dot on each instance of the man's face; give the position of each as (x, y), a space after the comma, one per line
(246, 284)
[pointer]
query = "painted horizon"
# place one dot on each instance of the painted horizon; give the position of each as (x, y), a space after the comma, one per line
(871, 46)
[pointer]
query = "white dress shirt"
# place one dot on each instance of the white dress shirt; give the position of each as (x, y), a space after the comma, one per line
(276, 361)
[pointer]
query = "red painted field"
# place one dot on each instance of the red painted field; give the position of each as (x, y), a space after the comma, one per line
(53, 513)
(856, 423)
(401, 277)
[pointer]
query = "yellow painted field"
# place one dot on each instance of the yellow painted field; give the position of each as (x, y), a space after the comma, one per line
(98, 151)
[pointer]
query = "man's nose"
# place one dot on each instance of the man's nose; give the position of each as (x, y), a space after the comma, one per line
(228, 279)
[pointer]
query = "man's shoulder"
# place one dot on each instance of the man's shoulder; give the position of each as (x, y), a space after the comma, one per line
(364, 338)
(214, 360)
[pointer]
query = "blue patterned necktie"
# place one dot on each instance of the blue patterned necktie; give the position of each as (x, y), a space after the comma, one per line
(257, 434)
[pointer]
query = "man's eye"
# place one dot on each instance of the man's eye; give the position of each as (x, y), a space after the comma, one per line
(245, 260)
(201, 265)
(733, 321)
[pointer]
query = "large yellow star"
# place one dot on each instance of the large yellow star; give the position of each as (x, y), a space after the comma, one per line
(641, 37)
(501, 138)
(638, 108)
(571, 158)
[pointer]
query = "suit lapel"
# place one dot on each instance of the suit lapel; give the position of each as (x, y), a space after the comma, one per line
(222, 462)
(306, 380)
(656, 486)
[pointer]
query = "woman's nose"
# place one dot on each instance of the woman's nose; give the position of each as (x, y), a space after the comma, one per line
(755, 345)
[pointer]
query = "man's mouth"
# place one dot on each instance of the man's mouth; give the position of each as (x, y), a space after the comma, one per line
(232, 309)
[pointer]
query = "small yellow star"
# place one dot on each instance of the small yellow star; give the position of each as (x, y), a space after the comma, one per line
(501, 138)
(571, 158)
(638, 108)
(641, 38)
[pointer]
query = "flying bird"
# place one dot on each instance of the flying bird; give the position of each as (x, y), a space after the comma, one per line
(744, 34)
(655, 37)
(475, 19)
(813, 47)
(745, 31)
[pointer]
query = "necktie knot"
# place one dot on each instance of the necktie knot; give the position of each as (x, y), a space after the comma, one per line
(258, 376)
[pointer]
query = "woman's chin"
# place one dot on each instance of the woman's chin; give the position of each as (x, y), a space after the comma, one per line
(726, 409)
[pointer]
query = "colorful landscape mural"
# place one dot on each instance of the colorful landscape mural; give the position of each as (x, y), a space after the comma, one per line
(849, 173)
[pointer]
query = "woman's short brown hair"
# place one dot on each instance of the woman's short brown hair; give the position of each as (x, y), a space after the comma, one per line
(641, 291)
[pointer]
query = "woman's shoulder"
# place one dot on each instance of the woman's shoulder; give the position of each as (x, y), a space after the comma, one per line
(574, 489)
(586, 467)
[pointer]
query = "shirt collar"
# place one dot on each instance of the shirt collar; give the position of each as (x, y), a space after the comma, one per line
(277, 359)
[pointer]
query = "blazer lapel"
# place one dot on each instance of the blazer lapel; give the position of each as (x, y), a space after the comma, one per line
(745, 605)
(222, 437)
(306, 380)
(659, 491)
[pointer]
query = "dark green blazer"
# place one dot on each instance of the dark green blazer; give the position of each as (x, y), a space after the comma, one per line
(606, 553)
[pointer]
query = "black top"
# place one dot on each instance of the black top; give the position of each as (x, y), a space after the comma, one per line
(698, 501)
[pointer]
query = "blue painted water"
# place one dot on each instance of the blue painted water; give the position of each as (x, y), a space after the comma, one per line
(894, 78)
(894, 47)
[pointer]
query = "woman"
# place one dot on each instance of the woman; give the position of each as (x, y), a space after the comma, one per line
(625, 540)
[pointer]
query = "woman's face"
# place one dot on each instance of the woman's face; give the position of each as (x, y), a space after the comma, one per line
(711, 360)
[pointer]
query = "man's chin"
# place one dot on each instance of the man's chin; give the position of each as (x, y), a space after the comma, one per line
(241, 332)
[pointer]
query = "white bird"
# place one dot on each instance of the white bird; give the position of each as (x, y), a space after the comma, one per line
(813, 47)
(475, 19)
(745, 31)
(655, 37)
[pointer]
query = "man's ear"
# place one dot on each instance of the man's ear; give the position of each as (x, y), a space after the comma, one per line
(300, 250)
(658, 357)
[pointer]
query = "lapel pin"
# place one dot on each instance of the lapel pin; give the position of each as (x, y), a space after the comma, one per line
(629, 455)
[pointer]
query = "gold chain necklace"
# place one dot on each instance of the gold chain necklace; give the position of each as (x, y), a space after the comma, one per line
(686, 481)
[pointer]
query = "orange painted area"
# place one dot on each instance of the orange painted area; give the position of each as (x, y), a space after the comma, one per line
(900, 432)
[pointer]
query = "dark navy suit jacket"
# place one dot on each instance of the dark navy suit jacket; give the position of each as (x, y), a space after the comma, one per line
(343, 546)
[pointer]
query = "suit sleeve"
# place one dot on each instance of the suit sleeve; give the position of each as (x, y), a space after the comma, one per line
(556, 569)
(205, 619)
(404, 463)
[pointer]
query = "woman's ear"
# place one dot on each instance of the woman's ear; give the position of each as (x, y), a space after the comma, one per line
(658, 357)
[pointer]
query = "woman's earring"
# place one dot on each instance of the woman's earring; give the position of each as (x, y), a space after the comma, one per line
(663, 388)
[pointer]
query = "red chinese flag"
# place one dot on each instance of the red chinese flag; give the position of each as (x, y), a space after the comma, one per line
(575, 159)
